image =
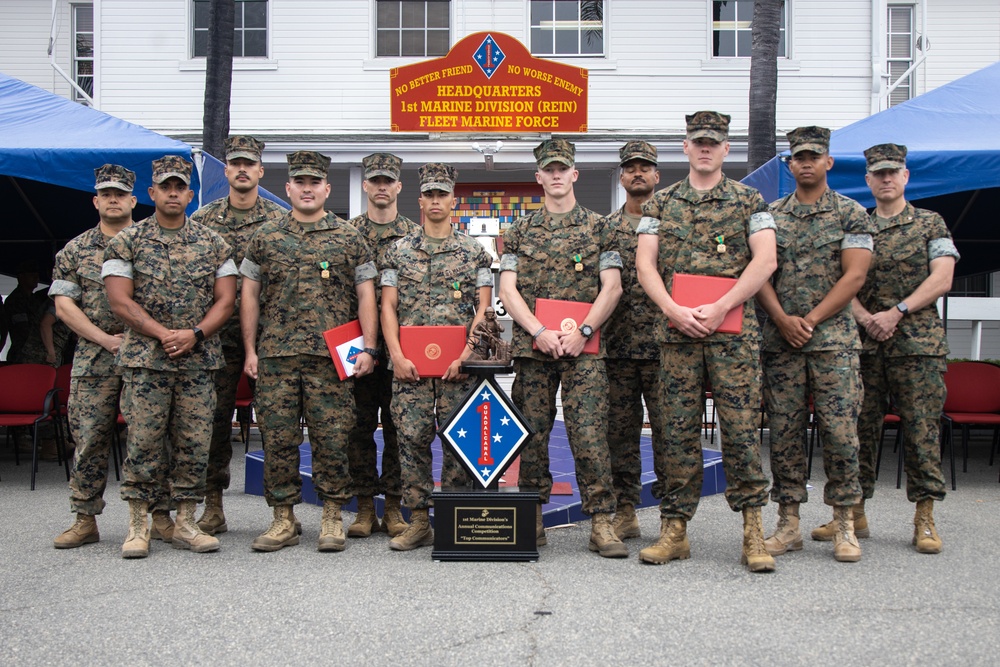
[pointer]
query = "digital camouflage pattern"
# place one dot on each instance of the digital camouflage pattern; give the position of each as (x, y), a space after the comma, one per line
(236, 229)
(637, 150)
(21, 310)
(34, 351)
(734, 372)
(910, 365)
(297, 304)
(885, 156)
(633, 360)
(707, 124)
(243, 146)
(114, 176)
(437, 176)
(425, 276)
(810, 239)
(174, 280)
(308, 163)
(382, 164)
(811, 138)
(77, 275)
(170, 425)
(832, 379)
(555, 150)
(308, 386)
(93, 418)
(172, 166)
(373, 392)
(689, 225)
(542, 252)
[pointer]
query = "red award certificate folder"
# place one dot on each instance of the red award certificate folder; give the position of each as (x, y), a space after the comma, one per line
(566, 316)
(345, 344)
(692, 291)
(432, 349)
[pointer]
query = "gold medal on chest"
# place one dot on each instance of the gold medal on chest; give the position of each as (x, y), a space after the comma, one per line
(579, 262)
(457, 294)
(325, 273)
(721, 248)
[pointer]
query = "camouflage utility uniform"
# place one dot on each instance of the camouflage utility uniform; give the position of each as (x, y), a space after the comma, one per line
(810, 239)
(910, 365)
(633, 366)
(424, 275)
(689, 224)
(372, 392)
(34, 351)
(21, 310)
(542, 252)
(95, 384)
(168, 403)
(236, 228)
(296, 377)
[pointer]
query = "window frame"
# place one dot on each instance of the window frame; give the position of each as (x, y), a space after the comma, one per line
(192, 29)
(908, 62)
(580, 32)
(787, 16)
(401, 29)
(75, 56)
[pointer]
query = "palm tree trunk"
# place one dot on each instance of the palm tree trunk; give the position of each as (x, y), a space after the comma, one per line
(218, 76)
(763, 81)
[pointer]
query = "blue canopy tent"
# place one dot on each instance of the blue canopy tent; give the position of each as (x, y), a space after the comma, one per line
(49, 148)
(952, 134)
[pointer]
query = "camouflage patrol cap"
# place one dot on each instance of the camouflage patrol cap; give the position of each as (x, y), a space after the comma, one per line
(812, 138)
(246, 147)
(637, 150)
(437, 176)
(172, 166)
(382, 164)
(885, 156)
(555, 150)
(308, 163)
(708, 124)
(114, 176)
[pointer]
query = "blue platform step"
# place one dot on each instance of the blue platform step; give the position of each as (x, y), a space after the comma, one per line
(560, 510)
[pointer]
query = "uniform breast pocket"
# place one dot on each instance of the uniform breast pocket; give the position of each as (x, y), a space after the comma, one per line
(411, 279)
(150, 267)
(91, 276)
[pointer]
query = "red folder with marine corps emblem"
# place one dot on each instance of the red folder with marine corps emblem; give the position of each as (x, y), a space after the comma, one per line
(345, 344)
(692, 291)
(566, 316)
(432, 349)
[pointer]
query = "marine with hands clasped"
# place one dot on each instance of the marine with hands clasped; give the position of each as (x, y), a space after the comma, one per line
(235, 218)
(172, 282)
(565, 252)
(811, 343)
(707, 225)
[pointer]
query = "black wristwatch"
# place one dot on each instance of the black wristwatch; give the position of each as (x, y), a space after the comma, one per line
(372, 351)
(198, 334)
(587, 331)
(901, 307)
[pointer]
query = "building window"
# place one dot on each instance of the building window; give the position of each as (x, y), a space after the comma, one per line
(567, 27)
(249, 31)
(412, 28)
(732, 28)
(899, 51)
(978, 285)
(83, 51)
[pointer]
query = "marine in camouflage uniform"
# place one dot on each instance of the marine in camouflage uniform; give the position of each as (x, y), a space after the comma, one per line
(235, 218)
(707, 225)
(373, 393)
(36, 347)
(563, 251)
(904, 345)
(437, 277)
(811, 344)
(21, 310)
(633, 361)
(173, 282)
(81, 302)
(306, 273)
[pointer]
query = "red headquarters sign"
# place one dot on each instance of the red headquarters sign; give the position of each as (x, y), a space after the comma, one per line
(488, 82)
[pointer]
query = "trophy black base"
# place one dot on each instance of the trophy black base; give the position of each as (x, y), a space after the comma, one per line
(485, 525)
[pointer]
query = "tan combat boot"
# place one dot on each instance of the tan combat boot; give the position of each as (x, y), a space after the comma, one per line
(626, 523)
(826, 532)
(392, 519)
(281, 533)
(83, 531)
(786, 536)
(673, 543)
(331, 531)
(925, 537)
(187, 534)
(137, 542)
(754, 555)
(540, 539)
(163, 526)
(603, 539)
(845, 543)
(295, 521)
(366, 521)
(213, 519)
(419, 534)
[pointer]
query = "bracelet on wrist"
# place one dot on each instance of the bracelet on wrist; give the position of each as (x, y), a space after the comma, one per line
(372, 351)
(537, 333)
